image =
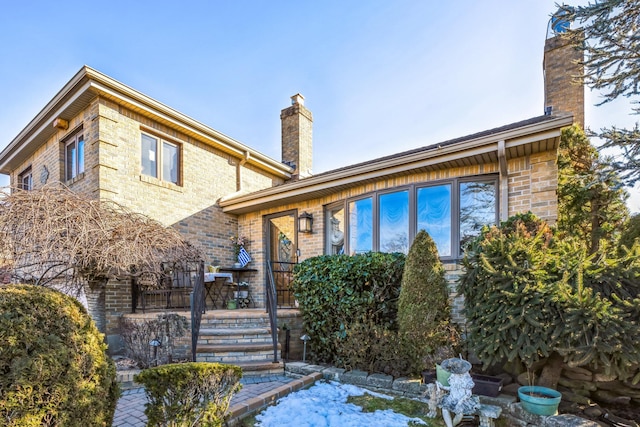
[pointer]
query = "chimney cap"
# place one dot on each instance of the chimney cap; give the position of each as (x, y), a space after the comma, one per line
(297, 99)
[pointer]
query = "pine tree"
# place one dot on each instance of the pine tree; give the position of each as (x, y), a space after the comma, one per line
(591, 196)
(612, 66)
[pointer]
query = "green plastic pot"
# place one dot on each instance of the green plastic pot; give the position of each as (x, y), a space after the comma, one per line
(544, 401)
(442, 376)
(232, 304)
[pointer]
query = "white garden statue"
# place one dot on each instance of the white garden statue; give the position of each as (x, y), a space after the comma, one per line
(459, 400)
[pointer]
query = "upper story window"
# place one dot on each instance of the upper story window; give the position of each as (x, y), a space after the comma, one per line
(74, 156)
(452, 212)
(160, 159)
(25, 179)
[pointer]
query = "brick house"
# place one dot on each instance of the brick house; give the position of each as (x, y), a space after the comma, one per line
(109, 141)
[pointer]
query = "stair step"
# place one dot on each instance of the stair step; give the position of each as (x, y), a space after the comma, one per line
(235, 348)
(234, 331)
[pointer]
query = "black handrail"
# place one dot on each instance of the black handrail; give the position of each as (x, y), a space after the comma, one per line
(272, 309)
(197, 302)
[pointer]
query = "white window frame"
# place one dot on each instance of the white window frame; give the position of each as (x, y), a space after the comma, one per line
(77, 163)
(25, 179)
(160, 143)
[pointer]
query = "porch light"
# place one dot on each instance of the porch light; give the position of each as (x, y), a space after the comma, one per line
(305, 222)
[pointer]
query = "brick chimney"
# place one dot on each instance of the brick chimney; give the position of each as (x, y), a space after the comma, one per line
(297, 145)
(562, 67)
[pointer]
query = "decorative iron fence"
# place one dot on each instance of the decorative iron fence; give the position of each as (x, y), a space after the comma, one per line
(173, 290)
(282, 276)
(272, 309)
(198, 307)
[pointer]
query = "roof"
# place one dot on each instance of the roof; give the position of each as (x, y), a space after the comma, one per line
(87, 84)
(518, 139)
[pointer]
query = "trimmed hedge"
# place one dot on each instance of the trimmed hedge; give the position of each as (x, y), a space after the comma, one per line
(54, 370)
(188, 394)
(336, 292)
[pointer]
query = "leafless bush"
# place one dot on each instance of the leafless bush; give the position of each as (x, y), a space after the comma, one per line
(151, 342)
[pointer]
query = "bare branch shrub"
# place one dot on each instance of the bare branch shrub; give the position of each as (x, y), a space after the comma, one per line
(137, 335)
(53, 236)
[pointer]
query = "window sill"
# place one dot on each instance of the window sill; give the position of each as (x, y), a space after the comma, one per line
(74, 179)
(159, 183)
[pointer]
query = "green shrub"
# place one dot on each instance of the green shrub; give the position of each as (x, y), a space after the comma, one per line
(53, 365)
(372, 348)
(424, 315)
(188, 394)
(337, 291)
(529, 299)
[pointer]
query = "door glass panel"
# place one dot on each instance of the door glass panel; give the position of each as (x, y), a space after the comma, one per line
(434, 215)
(477, 208)
(394, 222)
(335, 231)
(361, 226)
(282, 255)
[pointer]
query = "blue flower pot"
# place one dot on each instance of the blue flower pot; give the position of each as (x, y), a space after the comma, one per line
(539, 400)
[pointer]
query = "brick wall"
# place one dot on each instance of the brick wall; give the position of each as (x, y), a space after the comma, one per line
(532, 182)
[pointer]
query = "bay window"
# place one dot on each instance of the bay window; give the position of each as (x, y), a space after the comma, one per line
(451, 211)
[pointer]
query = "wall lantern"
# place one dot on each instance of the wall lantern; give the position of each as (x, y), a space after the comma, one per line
(305, 222)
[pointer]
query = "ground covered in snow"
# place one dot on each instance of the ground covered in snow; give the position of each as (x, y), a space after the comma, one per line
(325, 405)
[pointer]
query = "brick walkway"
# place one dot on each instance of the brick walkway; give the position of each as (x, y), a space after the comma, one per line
(256, 393)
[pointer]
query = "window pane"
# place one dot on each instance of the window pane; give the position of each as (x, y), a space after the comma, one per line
(477, 208)
(335, 231)
(70, 160)
(170, 162)
(394, 222)
(434, 215)
(80, 153)
(149, 156)
(360, 226)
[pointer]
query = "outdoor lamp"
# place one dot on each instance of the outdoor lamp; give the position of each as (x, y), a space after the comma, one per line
(155, 343)
(305, 222)
(304, 339)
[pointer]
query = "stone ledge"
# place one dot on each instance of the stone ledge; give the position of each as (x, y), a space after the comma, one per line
(510, 409)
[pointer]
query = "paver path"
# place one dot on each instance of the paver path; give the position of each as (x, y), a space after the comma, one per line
(130, 408)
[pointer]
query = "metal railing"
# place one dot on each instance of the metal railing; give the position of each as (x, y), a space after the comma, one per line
(272, 309)
(282, 275)
(172, 291)
(197, 300)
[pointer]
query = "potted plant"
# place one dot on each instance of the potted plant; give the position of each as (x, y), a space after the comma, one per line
(539, 400)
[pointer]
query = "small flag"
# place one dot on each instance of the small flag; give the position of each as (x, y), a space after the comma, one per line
(243, 257)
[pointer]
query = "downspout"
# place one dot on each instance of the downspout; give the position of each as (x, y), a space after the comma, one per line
(239, 171)
(504, 181)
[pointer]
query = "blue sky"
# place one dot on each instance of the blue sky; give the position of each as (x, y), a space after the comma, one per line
(379, 76)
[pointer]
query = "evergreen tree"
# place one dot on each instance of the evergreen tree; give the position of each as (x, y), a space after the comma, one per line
(612, 66)
(591, 196)
(424, 313)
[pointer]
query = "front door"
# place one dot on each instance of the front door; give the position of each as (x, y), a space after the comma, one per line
(282, 252)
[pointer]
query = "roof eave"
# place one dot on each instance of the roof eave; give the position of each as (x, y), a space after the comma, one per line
(323, 183)
(90, 80)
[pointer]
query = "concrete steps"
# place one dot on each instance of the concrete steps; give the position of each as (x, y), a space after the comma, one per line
(239, 337)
